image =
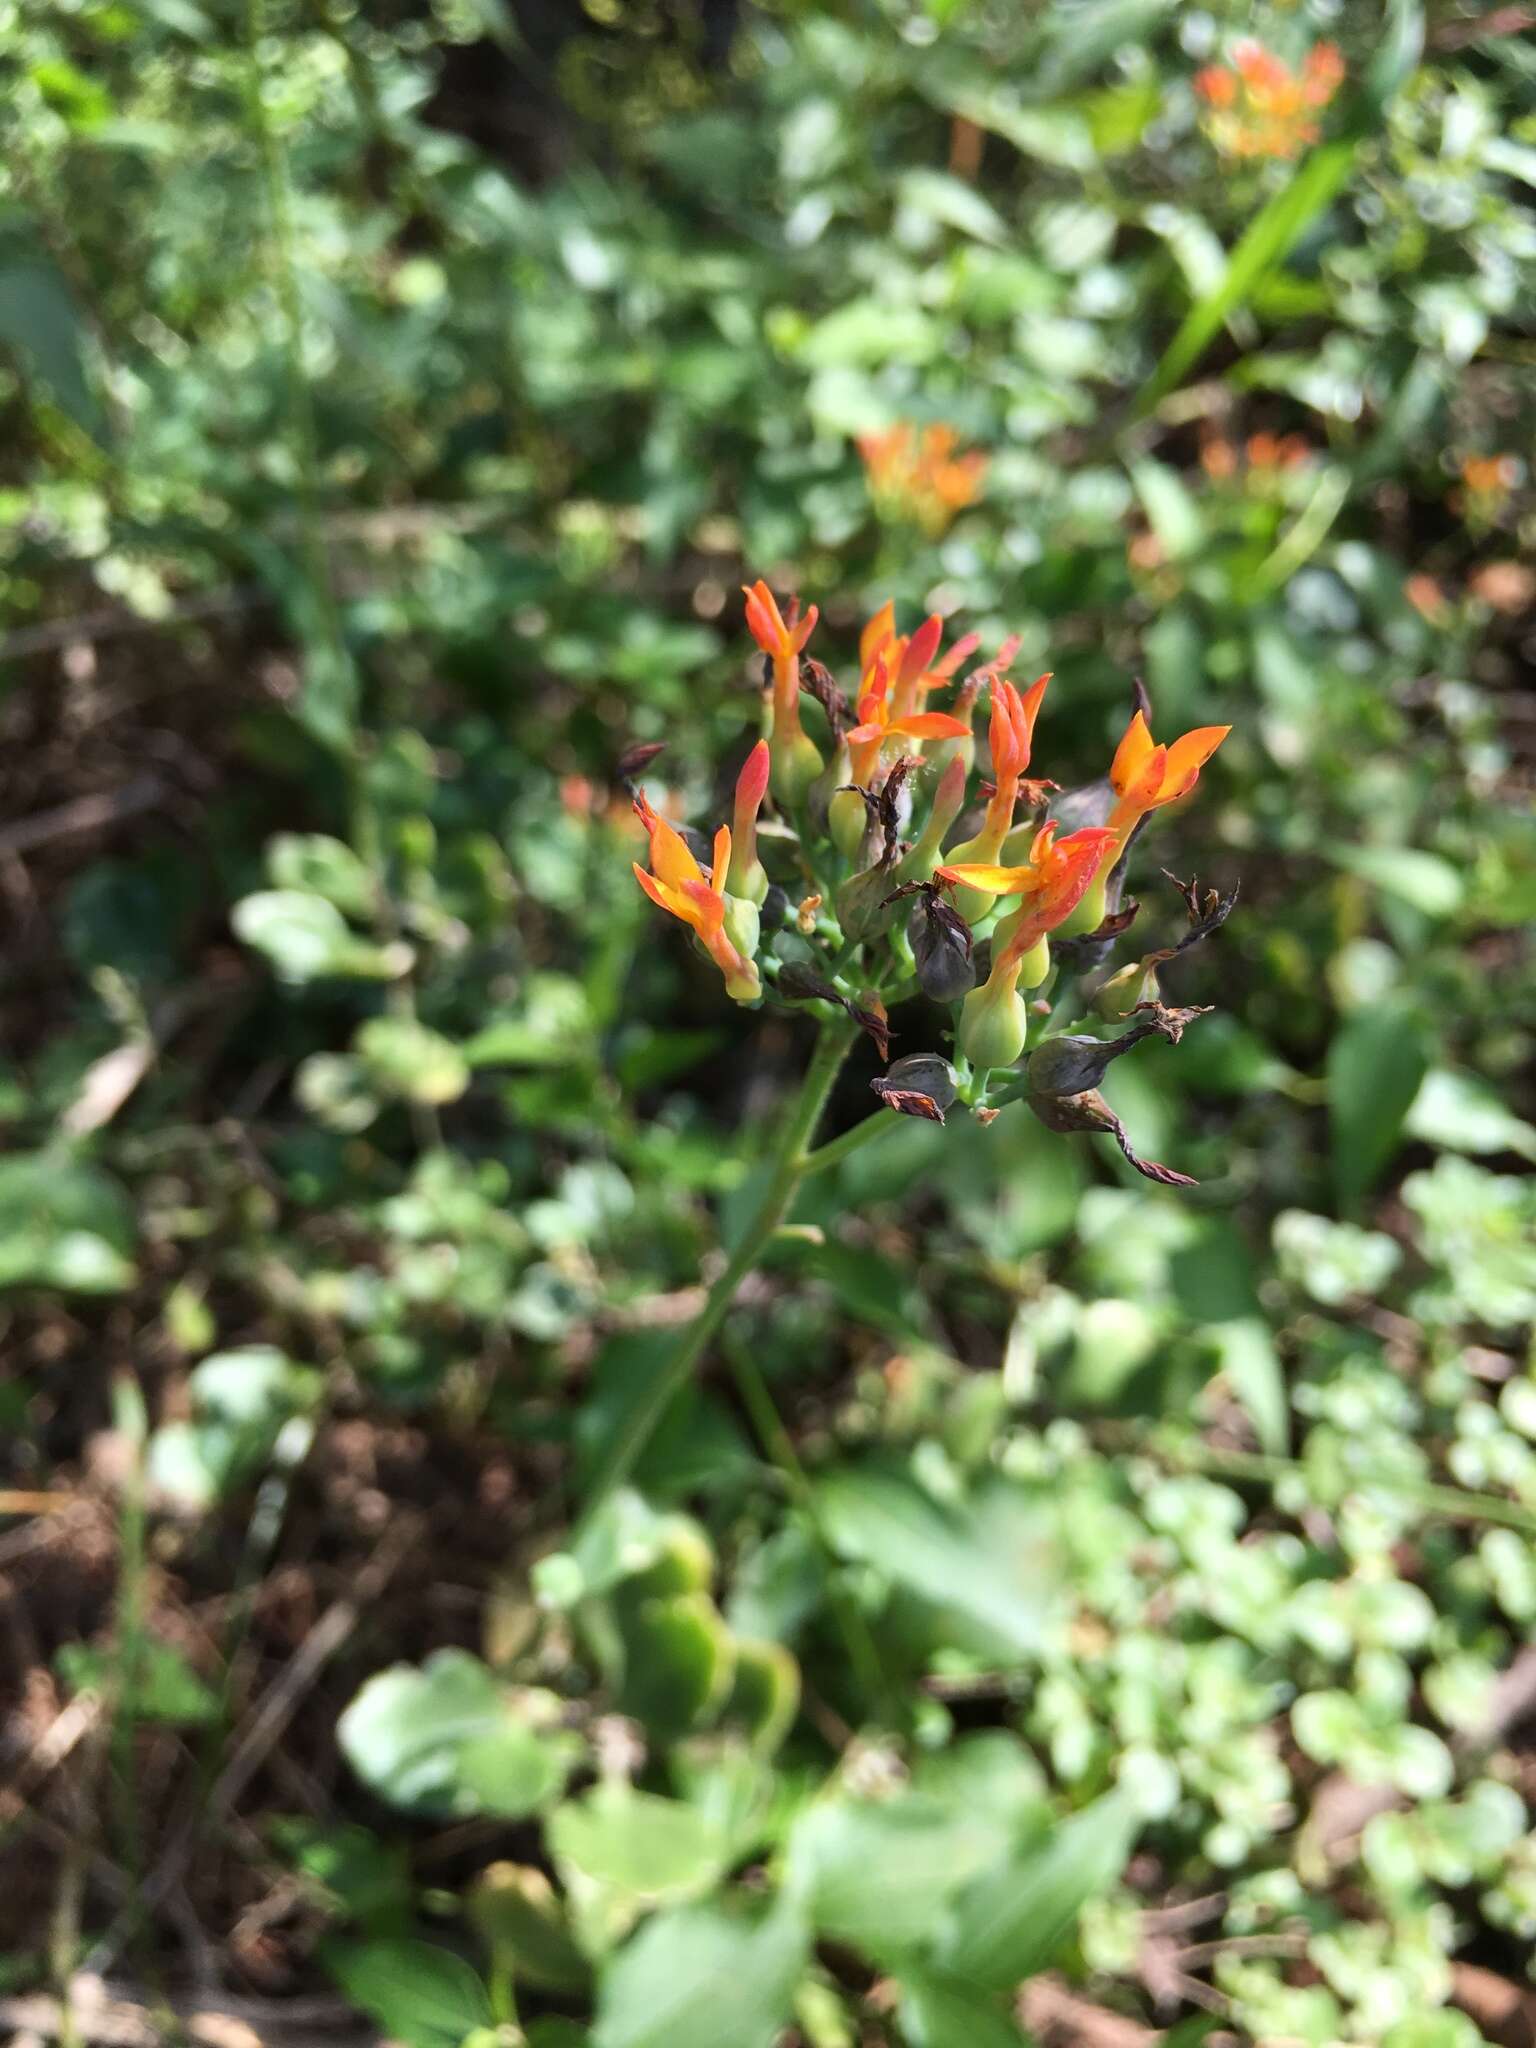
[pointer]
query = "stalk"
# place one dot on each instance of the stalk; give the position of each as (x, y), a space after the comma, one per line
(788, 1163)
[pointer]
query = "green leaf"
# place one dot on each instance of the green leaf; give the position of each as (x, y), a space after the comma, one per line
(879, 1873)
(1173, 513)
(702, 1976)
(40, 321)
(63, 1226)
(408, 1060)
(521, 1919)
(1250, 1365)
(1375, 1067)
(318, 865)
(157, 1683)
(678, 1661)
(242, 1400)
(419, 1993)
(447, 1739)
(1463, 1114)
(306, 938)
(953, 203)
(938, 2011)
(765, 1692)
(988, 1564)
(1422, 879)
(1011, 1920)
(648, 1848)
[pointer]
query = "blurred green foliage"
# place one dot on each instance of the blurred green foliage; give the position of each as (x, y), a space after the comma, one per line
(395, 397)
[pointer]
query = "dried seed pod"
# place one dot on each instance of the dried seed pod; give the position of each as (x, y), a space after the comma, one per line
(925, 1073)
(942, 949)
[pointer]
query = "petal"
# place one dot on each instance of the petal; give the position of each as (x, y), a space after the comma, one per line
(752, 782)
(944, 669)
(863, 734)
(931, 725)
(1187, 756)
(763, 620)
(920, 650)
(707, 910)
(882, 627)
(721, 862)
(982, 874)
(672, 858)
(804, 628)
(1130, 755)
(664, 898)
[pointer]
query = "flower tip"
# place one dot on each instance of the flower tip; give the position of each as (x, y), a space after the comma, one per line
(921, 649)
(752, 782)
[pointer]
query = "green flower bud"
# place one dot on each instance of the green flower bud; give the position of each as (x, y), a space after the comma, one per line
(847, 820)
(796, 765)
(993, 1026)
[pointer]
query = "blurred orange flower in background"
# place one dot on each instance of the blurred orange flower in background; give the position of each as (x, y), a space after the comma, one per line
(1258, 106)
(914, 473)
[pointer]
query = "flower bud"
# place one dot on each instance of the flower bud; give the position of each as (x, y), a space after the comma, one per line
(847, 819)
(1035, 964)
(818, 798)
(796, 764)
(993, 1026)
(948, 802)
(743, 925)
(972, 904)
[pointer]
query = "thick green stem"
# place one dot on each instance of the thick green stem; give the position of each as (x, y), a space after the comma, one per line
(786, 1169)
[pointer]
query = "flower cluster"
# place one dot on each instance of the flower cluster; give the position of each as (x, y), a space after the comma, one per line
(914, 473)
(883, 878)
(1260, 107)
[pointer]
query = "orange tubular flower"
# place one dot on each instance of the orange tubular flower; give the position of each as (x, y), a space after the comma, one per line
(795, 761)
(880, 719)
(916, 474)
(747, 871)
(1145, 776)
(679, 886)
(1051, 884)
(1260, 107)
(1011, 737)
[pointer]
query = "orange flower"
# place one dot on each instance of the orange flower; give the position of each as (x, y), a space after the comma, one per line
(1011, 736)
(680, 886)
(1490, 476)
(916, 474)
(1052, 883)
(795, 761)
(1052, 880)
(880, 717)
(912, 661)
(1145, 776)
(1260, 107)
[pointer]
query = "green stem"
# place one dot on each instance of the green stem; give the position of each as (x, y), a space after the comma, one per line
(786, 1170)
(863, 1654)
(837, 1150)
